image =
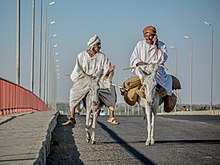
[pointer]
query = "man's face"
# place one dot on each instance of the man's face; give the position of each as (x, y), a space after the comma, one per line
(97, 47)
(149, 37)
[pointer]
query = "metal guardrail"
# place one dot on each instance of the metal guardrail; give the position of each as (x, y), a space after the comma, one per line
(15, 99)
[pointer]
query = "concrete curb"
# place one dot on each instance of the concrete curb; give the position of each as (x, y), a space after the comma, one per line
(45, 148)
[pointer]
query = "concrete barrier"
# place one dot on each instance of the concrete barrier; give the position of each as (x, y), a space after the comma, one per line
(45, 148)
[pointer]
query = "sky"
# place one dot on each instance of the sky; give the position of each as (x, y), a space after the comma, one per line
(119, 24)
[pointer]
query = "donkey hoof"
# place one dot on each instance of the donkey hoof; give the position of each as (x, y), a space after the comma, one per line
(152, 142)
(147, 143)
(93, 142)
(88, 140)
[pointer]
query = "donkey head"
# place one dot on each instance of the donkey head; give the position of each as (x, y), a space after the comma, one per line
(148, 79)
(94, 87)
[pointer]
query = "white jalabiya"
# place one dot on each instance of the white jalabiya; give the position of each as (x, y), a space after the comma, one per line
(144, 52)
(95, 66)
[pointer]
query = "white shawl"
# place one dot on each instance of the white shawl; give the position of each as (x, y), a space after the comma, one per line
(96, 66)
(144, 52)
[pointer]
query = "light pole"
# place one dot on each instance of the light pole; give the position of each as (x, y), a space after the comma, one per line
(40, 51)
(49, 56)
(18, 62)
(33, 34)
(46, 61)
(46, 48)
(211, 68)
(50, 70)
(173, 47)
(191, 62)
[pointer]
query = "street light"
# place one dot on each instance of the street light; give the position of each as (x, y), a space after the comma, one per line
(33, 34)
(173, 47)
(46, 46)
(52, 3)
(191, 62)
(50, 70)
(46, 60)
(18, 45)
(54, 35)
(40, 49)
(211, 68)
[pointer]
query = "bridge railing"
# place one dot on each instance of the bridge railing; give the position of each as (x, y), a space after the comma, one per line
(15, 99)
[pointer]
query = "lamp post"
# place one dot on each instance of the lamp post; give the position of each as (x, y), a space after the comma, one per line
(40, 50)
(211, 68)
(191, 62)
(46, 47)
(46, 61)
(49, 55)
(173, 47)
(18, 38)
(33, 34)
(54, 78)
(50, 70)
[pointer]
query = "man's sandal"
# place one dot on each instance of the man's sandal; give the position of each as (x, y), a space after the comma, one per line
(69, 122)
(113, 121)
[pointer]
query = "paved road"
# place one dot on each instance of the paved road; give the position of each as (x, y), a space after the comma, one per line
(179, 140)
(209, 119)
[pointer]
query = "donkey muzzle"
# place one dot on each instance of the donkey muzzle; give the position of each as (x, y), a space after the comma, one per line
(150, 102)
(95, 103)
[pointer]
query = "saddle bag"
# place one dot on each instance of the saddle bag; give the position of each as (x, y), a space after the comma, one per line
(169, 102)
(129, 88)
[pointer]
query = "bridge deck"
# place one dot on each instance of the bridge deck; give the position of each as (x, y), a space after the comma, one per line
(25, 139)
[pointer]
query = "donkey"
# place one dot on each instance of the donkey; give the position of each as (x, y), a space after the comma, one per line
(151, 101)
(93, 108)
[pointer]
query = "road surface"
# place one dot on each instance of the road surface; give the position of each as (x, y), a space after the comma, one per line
(179, 140)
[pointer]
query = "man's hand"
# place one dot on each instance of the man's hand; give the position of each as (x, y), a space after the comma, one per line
(155, 39)
(155, 44)
(110, 69)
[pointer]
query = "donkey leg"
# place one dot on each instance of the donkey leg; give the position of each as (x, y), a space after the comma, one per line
(148, 123)
(88, 126)
(93, 127)
(152, 128)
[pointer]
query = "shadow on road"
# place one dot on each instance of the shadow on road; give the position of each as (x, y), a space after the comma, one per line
(125, 145)
(63, 148)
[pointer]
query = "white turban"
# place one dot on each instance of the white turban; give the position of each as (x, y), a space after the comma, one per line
(93, 40)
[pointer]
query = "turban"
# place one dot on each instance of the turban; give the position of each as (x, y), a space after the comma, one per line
(93, 40)
(150, 29)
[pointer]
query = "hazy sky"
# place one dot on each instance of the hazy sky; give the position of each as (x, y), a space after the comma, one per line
(119, 24)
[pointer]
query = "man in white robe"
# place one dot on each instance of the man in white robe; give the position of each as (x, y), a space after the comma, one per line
(92, 63)
(152, 51)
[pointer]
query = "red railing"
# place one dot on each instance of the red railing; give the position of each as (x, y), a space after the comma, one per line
(15, 99)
